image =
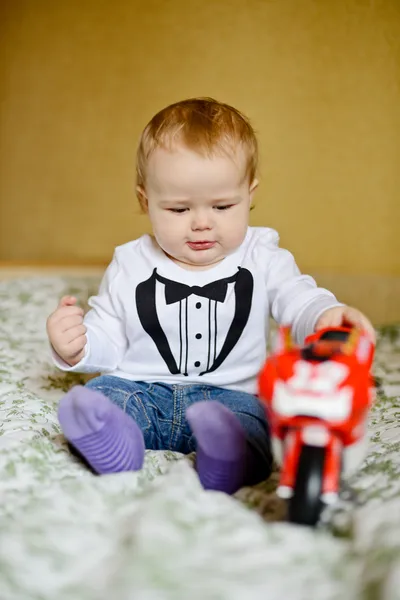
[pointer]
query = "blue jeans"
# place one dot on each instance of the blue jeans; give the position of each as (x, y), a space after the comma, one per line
(159, 410)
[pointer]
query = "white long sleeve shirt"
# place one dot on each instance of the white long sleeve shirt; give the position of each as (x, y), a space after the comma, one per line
(154, 321)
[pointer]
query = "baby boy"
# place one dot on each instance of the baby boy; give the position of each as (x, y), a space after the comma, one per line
(178, 330)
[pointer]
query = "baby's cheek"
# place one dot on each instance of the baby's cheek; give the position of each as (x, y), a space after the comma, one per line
(236, 235)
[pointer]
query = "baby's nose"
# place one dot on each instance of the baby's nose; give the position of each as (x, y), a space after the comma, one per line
(201, 222)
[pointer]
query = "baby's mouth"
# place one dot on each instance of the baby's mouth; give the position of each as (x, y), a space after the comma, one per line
(202, 245)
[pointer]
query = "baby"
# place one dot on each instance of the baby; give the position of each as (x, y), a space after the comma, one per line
(179, 327)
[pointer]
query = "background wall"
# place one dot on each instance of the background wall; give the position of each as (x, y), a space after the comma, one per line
(320, 80)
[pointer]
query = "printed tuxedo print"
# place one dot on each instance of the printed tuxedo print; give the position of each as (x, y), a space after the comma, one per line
(195, 328)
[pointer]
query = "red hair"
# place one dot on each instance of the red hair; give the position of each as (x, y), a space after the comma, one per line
(203, 125)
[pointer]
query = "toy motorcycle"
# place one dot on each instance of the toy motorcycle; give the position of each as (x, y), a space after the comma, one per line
(317, 398)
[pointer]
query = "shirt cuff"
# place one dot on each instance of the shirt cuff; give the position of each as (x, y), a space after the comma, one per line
(306, 320)
(63, 366)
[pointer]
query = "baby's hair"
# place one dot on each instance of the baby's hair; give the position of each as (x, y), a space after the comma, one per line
(203, 125)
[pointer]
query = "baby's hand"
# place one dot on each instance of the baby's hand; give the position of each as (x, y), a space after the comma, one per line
(66, 331)
(345, 316)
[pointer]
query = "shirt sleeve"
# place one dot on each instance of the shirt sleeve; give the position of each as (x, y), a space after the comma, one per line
(294, 299)
(106, 336)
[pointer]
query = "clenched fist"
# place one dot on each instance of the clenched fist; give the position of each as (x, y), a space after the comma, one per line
(66, 331)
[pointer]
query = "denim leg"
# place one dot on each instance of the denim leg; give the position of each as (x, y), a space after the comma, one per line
(139, 400)
(159, 410)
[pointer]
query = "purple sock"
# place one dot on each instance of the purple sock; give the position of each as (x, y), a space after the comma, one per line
(101, 432)
(221, 446)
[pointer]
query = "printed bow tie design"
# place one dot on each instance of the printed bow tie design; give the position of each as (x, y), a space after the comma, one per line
(148, 304)
(175, 291)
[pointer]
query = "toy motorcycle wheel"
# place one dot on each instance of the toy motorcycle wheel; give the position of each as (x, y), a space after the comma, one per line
(305, 505)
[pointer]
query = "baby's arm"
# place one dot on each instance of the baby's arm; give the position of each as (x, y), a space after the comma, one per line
(104, 338)
(295, 299)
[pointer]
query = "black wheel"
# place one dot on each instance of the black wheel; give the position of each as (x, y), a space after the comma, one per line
(305, 505)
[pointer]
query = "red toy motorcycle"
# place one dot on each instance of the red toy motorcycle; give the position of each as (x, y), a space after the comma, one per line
(318, 397)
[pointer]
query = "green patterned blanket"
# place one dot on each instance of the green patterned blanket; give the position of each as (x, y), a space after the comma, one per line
(155, 535)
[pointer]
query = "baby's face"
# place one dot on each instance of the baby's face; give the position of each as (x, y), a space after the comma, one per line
(198, 206)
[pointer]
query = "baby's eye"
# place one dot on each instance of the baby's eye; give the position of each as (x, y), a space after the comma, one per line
(224, 207)
(177, 210)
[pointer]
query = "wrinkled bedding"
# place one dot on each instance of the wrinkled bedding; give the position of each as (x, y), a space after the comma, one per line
(155, 535)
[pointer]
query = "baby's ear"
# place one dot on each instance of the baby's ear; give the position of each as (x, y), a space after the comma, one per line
(253, 187)
(141, 196)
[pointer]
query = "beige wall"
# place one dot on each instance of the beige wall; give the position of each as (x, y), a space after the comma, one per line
(319, 78)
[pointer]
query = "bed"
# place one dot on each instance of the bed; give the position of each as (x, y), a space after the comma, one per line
(156, 534)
